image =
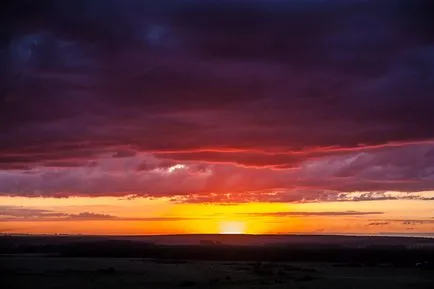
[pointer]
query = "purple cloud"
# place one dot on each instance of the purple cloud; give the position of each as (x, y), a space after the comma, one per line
(384, 174)
(270, 100)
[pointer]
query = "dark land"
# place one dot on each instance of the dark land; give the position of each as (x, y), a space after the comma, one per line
(216, 261)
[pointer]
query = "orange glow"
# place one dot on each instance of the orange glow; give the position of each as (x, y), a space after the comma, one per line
(232, 227)
(142, 216)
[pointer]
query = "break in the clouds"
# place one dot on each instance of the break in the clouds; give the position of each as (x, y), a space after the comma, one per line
(267, 100)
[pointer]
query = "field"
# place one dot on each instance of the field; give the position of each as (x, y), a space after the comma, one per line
(216, 262)
(38, 271)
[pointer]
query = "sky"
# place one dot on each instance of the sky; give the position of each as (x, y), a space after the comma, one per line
(230, 116)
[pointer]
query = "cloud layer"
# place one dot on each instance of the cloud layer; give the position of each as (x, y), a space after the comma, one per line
(15, 213)
(313, 214)
(26, 214)
(266, 100)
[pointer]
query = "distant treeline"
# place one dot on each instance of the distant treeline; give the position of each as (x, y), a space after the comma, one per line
(399, 256)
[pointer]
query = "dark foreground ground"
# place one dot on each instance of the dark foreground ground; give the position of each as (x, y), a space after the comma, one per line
(54, 272)
(226, 262)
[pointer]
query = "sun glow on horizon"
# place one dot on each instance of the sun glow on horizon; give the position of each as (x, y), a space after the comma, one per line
(162, 216)
(232, 227)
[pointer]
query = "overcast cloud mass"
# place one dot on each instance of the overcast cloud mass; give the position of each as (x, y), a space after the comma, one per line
(218, 101)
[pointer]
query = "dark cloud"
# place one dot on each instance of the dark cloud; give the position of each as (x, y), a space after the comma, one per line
(247, 159)
(337, 62)
(17, 213)
(380, 196)
(378, 224)
(417, 222)
(386, 174)
(23, 212)
(90, 216)
(8, 213)
(123, 154)
(412, 222)
(305, 214)
(319, 97)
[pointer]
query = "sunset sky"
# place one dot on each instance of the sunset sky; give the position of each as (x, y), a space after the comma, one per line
(230, 116)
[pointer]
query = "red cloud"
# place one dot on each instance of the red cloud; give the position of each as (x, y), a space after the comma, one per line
(339, 93)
